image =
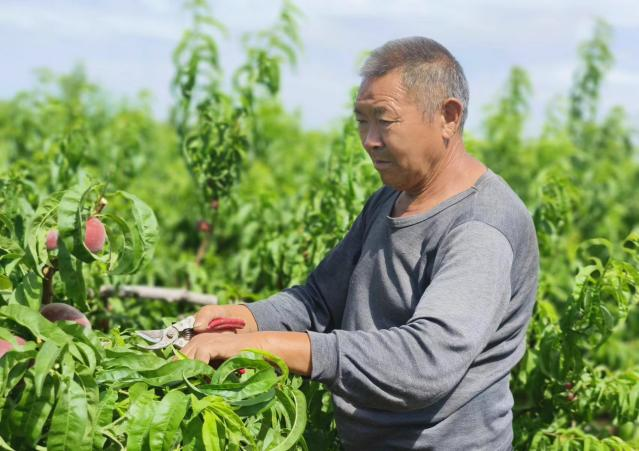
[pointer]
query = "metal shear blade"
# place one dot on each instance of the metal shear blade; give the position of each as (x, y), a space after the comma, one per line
(177, 334)
(152, 336)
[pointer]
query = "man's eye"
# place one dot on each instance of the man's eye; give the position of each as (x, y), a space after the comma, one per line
(360, 121)
(385, 122)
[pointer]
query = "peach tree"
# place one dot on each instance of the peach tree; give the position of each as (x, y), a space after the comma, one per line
(64, 385)
(218, 127)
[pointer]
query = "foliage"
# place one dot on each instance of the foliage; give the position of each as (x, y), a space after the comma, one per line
(576, 387)
(71, 388)
(217, 128)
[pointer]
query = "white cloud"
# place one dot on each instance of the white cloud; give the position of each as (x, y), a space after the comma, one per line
(84, 21)
(624, 78)
(487, 36)
(620, 12)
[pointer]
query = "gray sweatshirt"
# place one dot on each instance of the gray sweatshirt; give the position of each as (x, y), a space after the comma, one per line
(416, 322)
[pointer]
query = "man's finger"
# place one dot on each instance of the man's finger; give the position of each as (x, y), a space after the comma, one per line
(205, 316)
(187, 351)
(203, 356)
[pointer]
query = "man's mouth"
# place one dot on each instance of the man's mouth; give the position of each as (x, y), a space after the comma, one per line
(379, 164)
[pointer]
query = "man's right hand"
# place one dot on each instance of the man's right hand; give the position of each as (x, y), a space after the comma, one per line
(211, 312)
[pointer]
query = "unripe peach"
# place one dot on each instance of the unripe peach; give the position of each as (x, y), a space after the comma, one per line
(5, 346)
(58, 311)
(52, 240)
(95, 235)
(203, 226)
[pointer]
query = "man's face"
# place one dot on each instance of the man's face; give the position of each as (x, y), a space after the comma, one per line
(402, 143)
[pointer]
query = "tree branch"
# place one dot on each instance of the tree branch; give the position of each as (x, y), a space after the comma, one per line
(201, 250)
(47, 285)
(160, 293)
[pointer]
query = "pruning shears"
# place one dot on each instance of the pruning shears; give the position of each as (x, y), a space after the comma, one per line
(180, 333)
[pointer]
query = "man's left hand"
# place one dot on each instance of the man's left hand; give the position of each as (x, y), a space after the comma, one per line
(293, 347)
(209, 347)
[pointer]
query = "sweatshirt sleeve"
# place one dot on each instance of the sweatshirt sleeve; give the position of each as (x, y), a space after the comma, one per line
(319, 303)
(415, 365)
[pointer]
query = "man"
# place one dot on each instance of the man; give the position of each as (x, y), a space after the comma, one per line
(416, 318)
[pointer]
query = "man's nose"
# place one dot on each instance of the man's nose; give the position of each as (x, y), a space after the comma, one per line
(373, 139)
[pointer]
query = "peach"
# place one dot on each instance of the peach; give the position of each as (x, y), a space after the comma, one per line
(58, 311)
(52, 240)
(203, 226)
(95, 235)
(5, 346)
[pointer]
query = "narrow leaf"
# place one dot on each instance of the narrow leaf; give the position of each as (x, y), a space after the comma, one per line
(44, 361)
(70, 419)
(166, 422)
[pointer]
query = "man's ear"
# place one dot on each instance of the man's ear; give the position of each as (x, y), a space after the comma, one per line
(452, 111)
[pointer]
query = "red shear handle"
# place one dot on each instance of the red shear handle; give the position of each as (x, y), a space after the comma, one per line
(222, 324)
(211, 316)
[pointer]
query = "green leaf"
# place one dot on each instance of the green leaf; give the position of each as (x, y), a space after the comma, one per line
(33, 410)
(174, 372)
(117, 377)
(37, 324)
(6, 334)
(210, 435)
(86, 353)
(71, 274)
(192, 434)
(168, 374)
(39, 226)
(126, 248)
(103, 416)
(253, 406)
(147, 226)
(86, 336)
(28, 291)
(13, 365)
(46, 358)
(5, 283)
(137, 241)
(139, 417)
(295, 407)
(136, 361)
(70, 419)
(258, 384)
(71, 220)
(4, 445)
(235, 431)
(92, 392)
(233, 364)
(167, 419)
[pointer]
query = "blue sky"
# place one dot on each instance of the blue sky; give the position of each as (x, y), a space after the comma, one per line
(126, 45)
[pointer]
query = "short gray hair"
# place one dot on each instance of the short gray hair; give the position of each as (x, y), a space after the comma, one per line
(428, 71)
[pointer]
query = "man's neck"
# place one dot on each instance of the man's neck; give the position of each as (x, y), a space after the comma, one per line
(454, 175)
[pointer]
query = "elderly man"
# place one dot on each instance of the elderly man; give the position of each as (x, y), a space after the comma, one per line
(415, 320)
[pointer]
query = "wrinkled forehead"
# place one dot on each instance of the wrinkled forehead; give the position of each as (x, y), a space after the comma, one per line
(381, 94)
(389, 82)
